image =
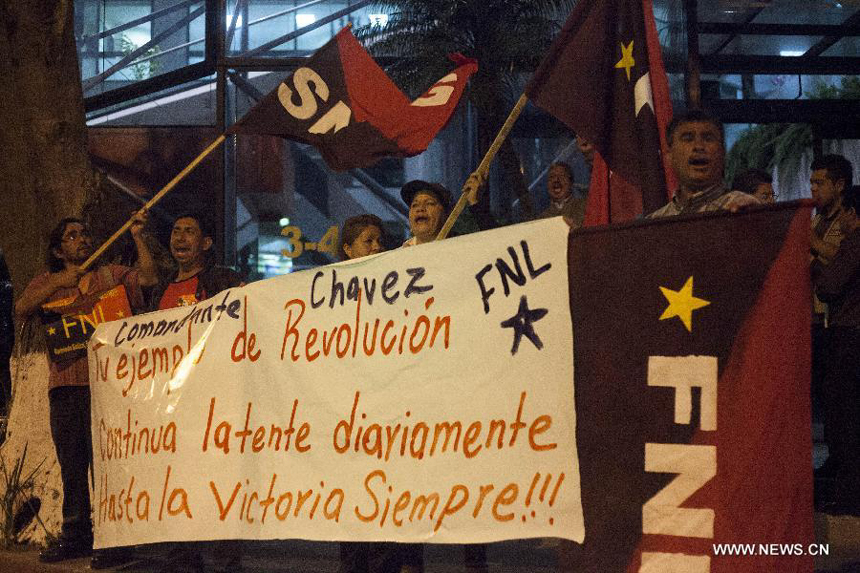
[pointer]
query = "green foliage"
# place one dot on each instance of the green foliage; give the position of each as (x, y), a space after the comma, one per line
(849, 89)
(145, 69)
(16, 493)
(767, 146)
(507, 37)
(783, 144)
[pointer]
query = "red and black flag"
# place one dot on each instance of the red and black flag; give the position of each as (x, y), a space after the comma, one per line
(69, 323)
(604, 78)
(345, 105)
(692, 361)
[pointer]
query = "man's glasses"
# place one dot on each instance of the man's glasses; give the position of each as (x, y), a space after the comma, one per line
(73, 236)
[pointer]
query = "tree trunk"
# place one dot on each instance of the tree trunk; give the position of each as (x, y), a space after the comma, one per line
(45, 173)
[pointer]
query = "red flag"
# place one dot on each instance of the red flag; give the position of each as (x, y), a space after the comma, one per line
(604, 78)
(694, 316)
(344, 104)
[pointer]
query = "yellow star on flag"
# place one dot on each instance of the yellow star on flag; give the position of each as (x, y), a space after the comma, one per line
(120, 314)
(626, 60)
(52, 331)
(682, 303)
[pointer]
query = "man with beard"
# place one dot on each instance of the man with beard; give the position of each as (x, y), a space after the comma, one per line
(697, 154)
(66, 284)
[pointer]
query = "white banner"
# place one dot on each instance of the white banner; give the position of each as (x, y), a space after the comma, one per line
(424, 394)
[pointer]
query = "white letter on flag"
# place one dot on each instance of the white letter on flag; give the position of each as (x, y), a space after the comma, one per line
(336, 118)
(674, 563)
(307, 103)
(695, 466)
(683, 373)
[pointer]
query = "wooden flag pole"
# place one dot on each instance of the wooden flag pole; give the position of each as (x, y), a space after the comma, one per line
(155, 199)
(484, 167)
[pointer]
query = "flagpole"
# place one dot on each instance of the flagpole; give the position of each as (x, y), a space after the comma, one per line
(484, 167)
(155, 199)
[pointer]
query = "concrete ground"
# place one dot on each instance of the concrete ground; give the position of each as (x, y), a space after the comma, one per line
(842, 533)
(302, 557)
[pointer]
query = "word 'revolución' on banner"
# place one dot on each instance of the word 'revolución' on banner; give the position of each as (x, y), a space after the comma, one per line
(425, 394)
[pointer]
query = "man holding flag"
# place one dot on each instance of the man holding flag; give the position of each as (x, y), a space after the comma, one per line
(603, 78)
(74, 293)
(617, 97)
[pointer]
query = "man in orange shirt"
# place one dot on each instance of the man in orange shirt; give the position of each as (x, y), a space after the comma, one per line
(197, 277)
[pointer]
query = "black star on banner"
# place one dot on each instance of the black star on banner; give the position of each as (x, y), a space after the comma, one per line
(522, 322)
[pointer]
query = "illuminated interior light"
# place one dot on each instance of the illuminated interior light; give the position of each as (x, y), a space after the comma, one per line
(303, 20)
(378, 19)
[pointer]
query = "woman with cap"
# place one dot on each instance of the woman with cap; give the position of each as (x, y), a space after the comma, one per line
(429, 205)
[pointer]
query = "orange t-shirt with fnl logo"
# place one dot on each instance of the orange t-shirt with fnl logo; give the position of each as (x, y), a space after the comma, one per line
(182, 293)
(76, 372)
